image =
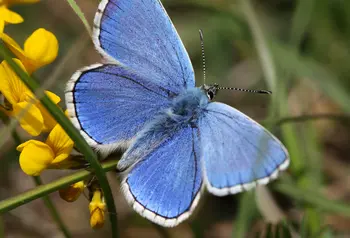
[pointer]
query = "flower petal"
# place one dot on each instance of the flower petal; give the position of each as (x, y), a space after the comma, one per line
(35, 157)
(31, 120)
(12, 45)
(9, 16)
(11, 86)
(97, 209)
(6, 75)
(72, 192)
(97, 218)
(49, 121)
(41, 48)
(60, 143)
(54, 98)
(2, 25)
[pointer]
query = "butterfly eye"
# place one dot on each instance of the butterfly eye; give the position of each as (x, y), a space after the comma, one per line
(210, 95)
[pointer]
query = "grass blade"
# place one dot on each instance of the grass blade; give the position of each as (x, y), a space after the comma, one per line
(301, 20)
(315, 199)
(247, 210)
(80, 14)
(341, 118)
(265, 57)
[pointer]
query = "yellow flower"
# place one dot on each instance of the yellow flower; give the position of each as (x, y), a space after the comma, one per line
(37, 156)
(72, 192)
(8, 16)
(41, 48)
(35, 118)
(97, 209)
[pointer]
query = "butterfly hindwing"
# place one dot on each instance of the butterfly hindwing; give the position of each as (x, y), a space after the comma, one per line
(140, 35)
(164, 184)
(237, 152)
(110, 104)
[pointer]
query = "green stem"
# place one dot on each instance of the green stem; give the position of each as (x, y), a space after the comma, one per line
(40, 191)
(53, 211)
(66, 124)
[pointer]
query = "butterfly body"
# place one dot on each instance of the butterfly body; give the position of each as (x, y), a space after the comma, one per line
(176, 139)
(188, 106)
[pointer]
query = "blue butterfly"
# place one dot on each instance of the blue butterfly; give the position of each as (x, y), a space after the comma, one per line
(144, 101)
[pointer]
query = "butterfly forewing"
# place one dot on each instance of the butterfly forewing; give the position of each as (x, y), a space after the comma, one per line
(140, 35)
(100, 101)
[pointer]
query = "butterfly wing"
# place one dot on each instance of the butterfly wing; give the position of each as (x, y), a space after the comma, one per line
(109, 104)
(237, 152)
(139, 35)
(164, 184)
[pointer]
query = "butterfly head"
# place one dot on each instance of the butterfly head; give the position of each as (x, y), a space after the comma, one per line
(210, 90)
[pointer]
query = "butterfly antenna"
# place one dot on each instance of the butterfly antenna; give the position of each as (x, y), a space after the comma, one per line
(203, 54)
(246, 90)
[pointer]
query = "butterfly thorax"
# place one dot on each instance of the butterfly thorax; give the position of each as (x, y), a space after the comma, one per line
(187, 106)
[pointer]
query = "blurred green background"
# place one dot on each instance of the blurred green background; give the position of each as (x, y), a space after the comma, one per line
(298, 49)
